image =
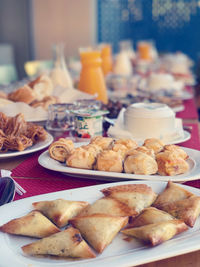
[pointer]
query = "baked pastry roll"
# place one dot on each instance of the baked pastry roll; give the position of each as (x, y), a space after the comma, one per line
(173, 192)
(155, 144)
(128, 143)
(169, 163)
(24, 94)
(42, 86)
(60, 210)
(67, 243)
(81, 158)
(157, 233)
(179, 151)
(150, 215)
(110, 206)
(99, 229)
(103, 142)
(136, 196)
(146, 150)
(94, 149)
(121, 149)
(187, 209)
(140, 163)
(61, 149)
(109, 161)
(34, 224)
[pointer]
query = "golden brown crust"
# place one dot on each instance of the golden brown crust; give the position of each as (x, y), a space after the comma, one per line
(60, 210)
(170, 163)
(155, 144)
(33, 224)
(157, 233)
(128, 143)
(103, 142)
(173, 192)
(67, 243)
(174, 148)
(99, 229)
(187, 209)
(61, 149)
(24, 94)
(140, 163)
(109, 161)
(136, 196)
(110, 206)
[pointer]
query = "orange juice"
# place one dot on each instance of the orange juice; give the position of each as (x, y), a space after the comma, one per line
(91, 78)
(106, 56)
(144, 50)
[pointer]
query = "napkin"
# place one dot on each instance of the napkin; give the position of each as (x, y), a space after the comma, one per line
(119, 131)
(70, 95)
(30, 113)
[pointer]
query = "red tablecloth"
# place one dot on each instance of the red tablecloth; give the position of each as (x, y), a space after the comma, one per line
(190, 110)
(39, 180)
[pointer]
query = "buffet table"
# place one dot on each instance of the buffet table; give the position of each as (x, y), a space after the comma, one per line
(38, 180)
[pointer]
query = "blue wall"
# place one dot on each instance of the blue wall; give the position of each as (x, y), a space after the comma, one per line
(174, 25)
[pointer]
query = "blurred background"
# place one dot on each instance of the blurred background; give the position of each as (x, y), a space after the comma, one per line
(29, 28)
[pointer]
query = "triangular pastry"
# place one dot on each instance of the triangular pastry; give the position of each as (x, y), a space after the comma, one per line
(150, 215)
(111, 206)
(172, 192)
(60, 210)
(67, 243)
(136, 196)
(34, 224)
(99, 229)
(157, 233)
(187, 209)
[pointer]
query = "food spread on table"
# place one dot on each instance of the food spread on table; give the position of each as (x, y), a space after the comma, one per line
(78, 229)
(122, 155)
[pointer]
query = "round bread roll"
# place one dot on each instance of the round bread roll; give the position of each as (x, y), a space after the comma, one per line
(155, 144)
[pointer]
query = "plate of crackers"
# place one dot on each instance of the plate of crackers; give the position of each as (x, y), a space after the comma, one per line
(105, 158)
(115, 224)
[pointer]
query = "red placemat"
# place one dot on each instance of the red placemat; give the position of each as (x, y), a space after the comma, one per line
(190, 110)
(39, 180)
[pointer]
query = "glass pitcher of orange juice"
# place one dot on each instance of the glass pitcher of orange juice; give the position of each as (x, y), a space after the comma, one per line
(106, 56)
(144, 50)
(91, 78)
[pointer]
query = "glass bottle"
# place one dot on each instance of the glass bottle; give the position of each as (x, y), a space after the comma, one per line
(60, 74)
(91, 77)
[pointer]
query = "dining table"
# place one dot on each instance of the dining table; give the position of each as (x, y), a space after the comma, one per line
(37, 180)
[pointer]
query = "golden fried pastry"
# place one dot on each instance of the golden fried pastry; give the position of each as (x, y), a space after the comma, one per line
(128, 143)
(146, 150)
(81, 158)
(33, 224)
(42, 87)
(180, 152)
(157, 233)
(187, 209)
(154, 144)
(103, 142)
(94, 149)
(24, 94)
(150, 215)
(60, 211)
(140, 163)
(61, 149)
(109, 161)
(169, 163)
(99, 229)
(121, 149)
(67, 243)
(136, 196)
(110, 206)
(45, 102)
(173, 192)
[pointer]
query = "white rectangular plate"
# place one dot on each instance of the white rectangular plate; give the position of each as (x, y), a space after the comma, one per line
(119, 253)
(194, 170)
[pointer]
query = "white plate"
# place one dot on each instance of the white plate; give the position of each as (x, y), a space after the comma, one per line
(193, 173)
(38, 146)
(119, 253)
